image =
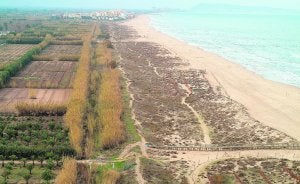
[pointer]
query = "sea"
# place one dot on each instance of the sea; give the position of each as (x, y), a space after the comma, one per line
(261, 39)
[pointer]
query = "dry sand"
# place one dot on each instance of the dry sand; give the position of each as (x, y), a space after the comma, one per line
(274, 104)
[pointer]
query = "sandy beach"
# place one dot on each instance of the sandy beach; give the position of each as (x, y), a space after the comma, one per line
(273, 104)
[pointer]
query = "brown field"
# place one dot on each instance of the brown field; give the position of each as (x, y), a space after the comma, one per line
(9, 97)
(61, 50)
(45, 74)
(11, 52)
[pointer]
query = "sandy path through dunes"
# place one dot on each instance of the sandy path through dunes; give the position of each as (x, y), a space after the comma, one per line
(274, 104)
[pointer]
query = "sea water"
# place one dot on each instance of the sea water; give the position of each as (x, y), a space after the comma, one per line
(263, 40)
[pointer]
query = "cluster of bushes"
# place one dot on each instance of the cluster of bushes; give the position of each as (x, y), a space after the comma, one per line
(39, 109)
(77, 105)
(12, 68)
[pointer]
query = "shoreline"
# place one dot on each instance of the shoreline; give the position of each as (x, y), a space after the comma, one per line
(274, 104)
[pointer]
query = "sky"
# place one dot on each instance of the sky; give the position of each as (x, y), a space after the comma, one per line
(142, 4)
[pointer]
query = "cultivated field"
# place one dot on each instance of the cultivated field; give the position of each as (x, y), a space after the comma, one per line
(9, 97)
(45, 74)
(61, 50)
(10, 52)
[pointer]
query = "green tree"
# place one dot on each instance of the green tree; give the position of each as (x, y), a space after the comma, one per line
(50, 164)
(2, 158)
(13, 158)
(24, 160)
(33, 158)
(26, 176)
(30, 168)
(57, 159)
(47, 175)
(8, 166)
(41, 159)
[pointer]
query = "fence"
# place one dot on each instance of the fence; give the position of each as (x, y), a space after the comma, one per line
(213, 147)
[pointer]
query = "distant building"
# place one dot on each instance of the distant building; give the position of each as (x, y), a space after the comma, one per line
(110, 15)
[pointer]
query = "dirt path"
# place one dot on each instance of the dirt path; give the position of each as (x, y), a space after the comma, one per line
(142, 143)
(139, 175)
(203, 126)
(127, 150)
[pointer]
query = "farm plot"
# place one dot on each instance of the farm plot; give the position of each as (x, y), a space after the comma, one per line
(11, 52)
(38, 134)
(58, 51)
(9, 97)
(31, 147)
(45, 74)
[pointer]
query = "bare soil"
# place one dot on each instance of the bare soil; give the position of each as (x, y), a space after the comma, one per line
(45, 74)
(9, 97)
(61, 50)
(11, 52)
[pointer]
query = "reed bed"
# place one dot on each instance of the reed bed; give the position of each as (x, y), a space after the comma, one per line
(68, 173)
(78, 100)
(110, 109)
(104, 56)
(37, 109)
(110, 177)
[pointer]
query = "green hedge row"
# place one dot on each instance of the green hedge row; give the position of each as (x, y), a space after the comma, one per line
(25, 40)
(28, 152)
(12, 68)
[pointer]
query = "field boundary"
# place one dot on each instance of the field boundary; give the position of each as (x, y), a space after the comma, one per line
(233, 147)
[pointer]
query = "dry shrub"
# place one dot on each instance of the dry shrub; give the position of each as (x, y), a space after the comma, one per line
(32, 93)
(69, 58)
(78, 100)
(68, 174)
(110, 109)
(110, 177)
(35, 109)
(66, 42)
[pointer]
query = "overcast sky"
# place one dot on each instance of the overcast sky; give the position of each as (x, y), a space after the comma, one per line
(125, 4)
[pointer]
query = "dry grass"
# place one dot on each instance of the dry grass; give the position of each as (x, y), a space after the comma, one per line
(110, 109)
(32, 93)
(42, 58)
(36, 109)
(78, 99)
(69, 58)
(68, 174)
(104, 56)
(110, 177)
